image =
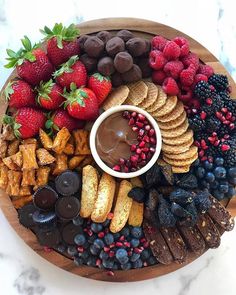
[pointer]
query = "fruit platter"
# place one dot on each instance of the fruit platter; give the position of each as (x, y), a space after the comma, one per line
(118, 148)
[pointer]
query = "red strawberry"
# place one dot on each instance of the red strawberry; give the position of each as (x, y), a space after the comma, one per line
(81, 103)
(60, 118)
(50, 95)
(19, 94)
(32, 63)
(26, 122)
(71, 71)
(61, 43)
(100, 85)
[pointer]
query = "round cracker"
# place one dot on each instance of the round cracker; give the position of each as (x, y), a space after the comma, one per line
(151, 95)
(191, 152)
(173, 123)
(176, 149)
(179, 140)
(178, 110)
(159, 102)
(176, 132)
(137, 93)
(182, 169)
(180, 163)
(116, 97)
(168, 107)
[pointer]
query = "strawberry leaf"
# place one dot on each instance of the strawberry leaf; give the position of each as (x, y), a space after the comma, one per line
(8, 90)
(26, 43)
(8, 120)
(30, 56)
(49, 124)
(66, 67)
(11, 53)
(44, 89)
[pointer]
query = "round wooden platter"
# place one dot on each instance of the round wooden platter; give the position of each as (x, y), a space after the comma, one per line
(145, 29)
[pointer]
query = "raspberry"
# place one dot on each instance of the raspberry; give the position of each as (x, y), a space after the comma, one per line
(195, 104)
(158, 42)
(171, 50)
(170, 86)
(200, 77)
(173, 68)
(189, 59)
(187, 76)
(185, 95)
(205, 70)
(158, 77)
(183, 44)
(157, 60)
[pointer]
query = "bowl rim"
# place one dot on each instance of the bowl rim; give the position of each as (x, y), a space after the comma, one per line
(92, 141)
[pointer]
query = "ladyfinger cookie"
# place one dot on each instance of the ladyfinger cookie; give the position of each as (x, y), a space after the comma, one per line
(105, 196)
(122, 207)
(136, 212)
(89, 190)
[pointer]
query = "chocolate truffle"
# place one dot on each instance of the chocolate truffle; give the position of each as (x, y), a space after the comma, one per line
(106, 66)
(143, 63)
(148, 47)
(116, 79)
(136, 46)
(123, 62)
(125, 35)
(94, 46)
(82, 40)
(104, 36)
(115, 45)
(67, 208)
(133, 75)
(89, 62)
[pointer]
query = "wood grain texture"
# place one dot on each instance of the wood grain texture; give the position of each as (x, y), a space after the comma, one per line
(145, 29)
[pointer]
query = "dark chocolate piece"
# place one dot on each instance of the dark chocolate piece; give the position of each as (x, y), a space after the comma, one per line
(43, 218)
(49, 238)
(175, 243)
(69, 232)
(143, 63)
(115, 45)
(90, 63)
(106, 66)
(68, 183)
(136, 46)
(193, 238)
(208, 230)
(125, 35)
(25, 215)
(220, 215)
(123, 62)
(104, 36)
(94, 46)
(133, 75)
(45, 198)
(67, 208)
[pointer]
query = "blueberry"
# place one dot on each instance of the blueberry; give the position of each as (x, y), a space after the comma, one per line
(98, 243)
(126, 266)
(103, 255)
(219, 161)
(124, 260)
(78, 220)
(71, 250)
(208, 165)
(94, 250)
(106, 223)
(214, 184)
(78, 261)
(91, 261)
(233, 180)
(86, 245)
(109, 239)
(232, 172)
(136, 232)
(224, 187)
(121, 255)
(108, 263)
(134, 257)
(134, 243)
(220, 172)
(96, 227)
(205, 184)
(210, 177)
(200, 173)
(84, 255)
(231, 192)
(218, 195)
(151, 260)
(91, 239)
(80, 239)
(125, 232)
(137, 264)
(145, 255)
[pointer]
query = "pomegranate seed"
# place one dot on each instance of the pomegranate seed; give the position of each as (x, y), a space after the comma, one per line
(110, 215)
(130, 253)
(224, 110)
(145, 150)
(214, 134)
(226, 136)
(209, 101)
(201, 153)
(98, 262)
(134, 159)
(80, 249)
(111, 254)
(135, 129)
(194, 111)
(204, 158)
(225, 147)
(219, 115)
(151, 132)
(133, 169)
(137, 250)
(131, 121)
(122, 161)
(142, 144)
(90, 233)
(205, 147)
(222, 140)
(196, 143)
(122, 238)
(116, 168)
(152, 140)
(212, 88)
(139, 124)
(141, 132)
(210, 159)
(216, 143)
(47, 249)
(142, 240)
(147, 127)
(142, 163)
(112, 245)
(101, 234)
(110, 273)
(203, 115)
(133, 147)
(226, 122)
(231, 126)
(134, 114)
(146, 138)
(146, 245)
(145, 263)
(126, 114)
(203, 143)
(127, 244)
(143, 156)
(149, 156)
(146, 122)
(85, 230)
(141, 117)
(138, 151)
(119, 244)
(126, 169)
(152, 150)
(229, 115)
(106, 249)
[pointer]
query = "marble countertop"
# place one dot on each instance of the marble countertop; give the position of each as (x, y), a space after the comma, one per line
(212, 23)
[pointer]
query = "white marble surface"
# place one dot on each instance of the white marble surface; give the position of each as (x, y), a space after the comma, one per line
(210, 22)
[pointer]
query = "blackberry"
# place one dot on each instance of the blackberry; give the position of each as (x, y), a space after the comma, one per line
(230, 104)
(208, 109)
(212, 151)
(224, 94)
(196, 123)
(223, 130)
(230, 159)
(202, 90)
(220, 82)
(217, 102)
(213, 124)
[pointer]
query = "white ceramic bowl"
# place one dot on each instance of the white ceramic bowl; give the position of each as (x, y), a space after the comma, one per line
(94, 152)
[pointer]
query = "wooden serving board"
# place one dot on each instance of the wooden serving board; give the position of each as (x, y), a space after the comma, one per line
(146, 29)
